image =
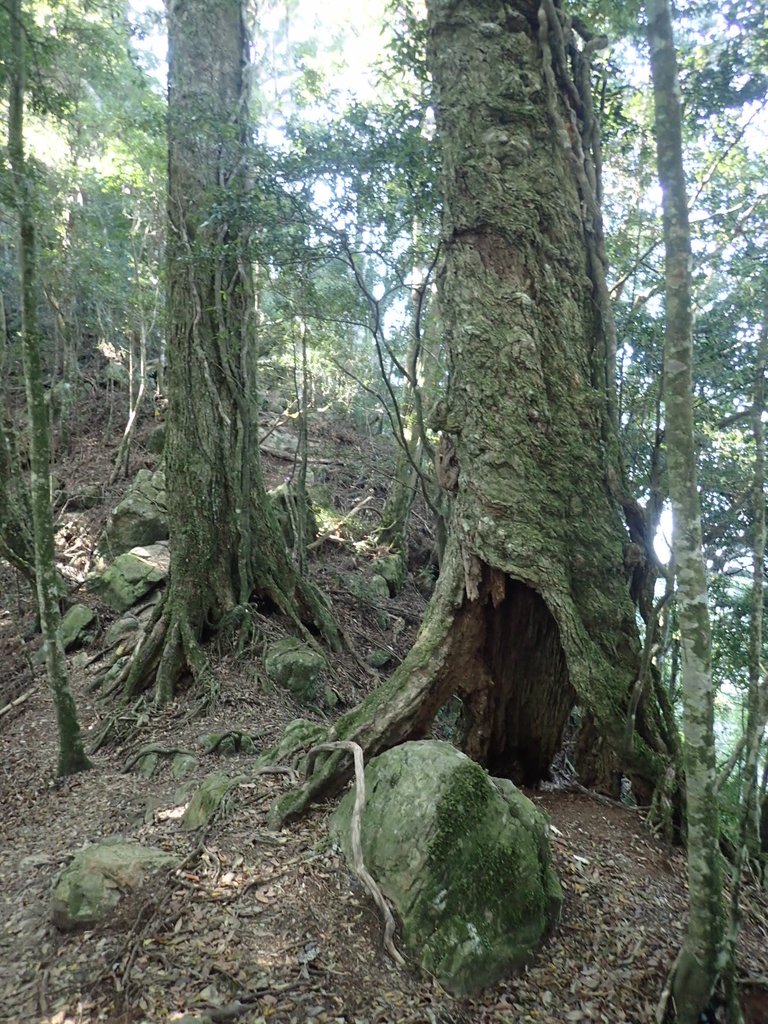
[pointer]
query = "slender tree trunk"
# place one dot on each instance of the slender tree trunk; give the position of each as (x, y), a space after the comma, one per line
(392, 531)
(72, 756)
(16, 543)
(748, 848)
(226, 546)
(700, 962)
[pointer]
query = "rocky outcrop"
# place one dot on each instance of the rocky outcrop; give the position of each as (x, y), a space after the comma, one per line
(463, 857)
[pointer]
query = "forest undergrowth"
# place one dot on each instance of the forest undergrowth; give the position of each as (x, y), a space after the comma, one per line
(260, 925)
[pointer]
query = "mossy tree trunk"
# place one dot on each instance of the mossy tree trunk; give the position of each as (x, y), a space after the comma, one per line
(72, 756)
(532, 612)
(226, 547)
(16, 542)
(700, 961)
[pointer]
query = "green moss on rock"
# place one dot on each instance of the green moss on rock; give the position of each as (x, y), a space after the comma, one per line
(295, 666)
(463, 857)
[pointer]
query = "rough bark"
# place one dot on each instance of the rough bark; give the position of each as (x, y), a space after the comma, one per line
(72, 756)
(226, 547)
(532, 612)
(700, 960)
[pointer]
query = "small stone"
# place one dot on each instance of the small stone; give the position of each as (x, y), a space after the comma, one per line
(392, 568)
(378, 659)
(146, 765)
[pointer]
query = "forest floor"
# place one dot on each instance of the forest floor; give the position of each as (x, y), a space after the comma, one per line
(275, 919)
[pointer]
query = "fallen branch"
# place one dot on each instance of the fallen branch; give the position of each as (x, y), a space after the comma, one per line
(328, 535)
(15, 703)
(606, 800)
(358, 863)
(289, 456)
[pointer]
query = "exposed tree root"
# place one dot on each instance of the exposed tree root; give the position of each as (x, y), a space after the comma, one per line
(358, 862)
(517, 694)
(154, 748)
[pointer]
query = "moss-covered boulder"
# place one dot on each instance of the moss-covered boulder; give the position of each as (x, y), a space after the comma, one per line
(140, 519)
(296, 666)
(392, 569)
(183, 765)
(132, 575)
(87, 890)
(463, 857)
(74, 625)
(379, 587)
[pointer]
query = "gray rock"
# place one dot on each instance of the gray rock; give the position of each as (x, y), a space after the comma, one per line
(132, 575)
(126, 626)
(140, 519)
(295, 666)
(90, 886)
(463, 857)
(74, 624)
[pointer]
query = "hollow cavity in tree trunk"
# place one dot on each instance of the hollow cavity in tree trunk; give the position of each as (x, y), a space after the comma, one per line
(510, 670)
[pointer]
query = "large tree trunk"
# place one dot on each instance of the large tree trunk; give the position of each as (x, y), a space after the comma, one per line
(72, 757)
(226, 546)
(532, 613)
